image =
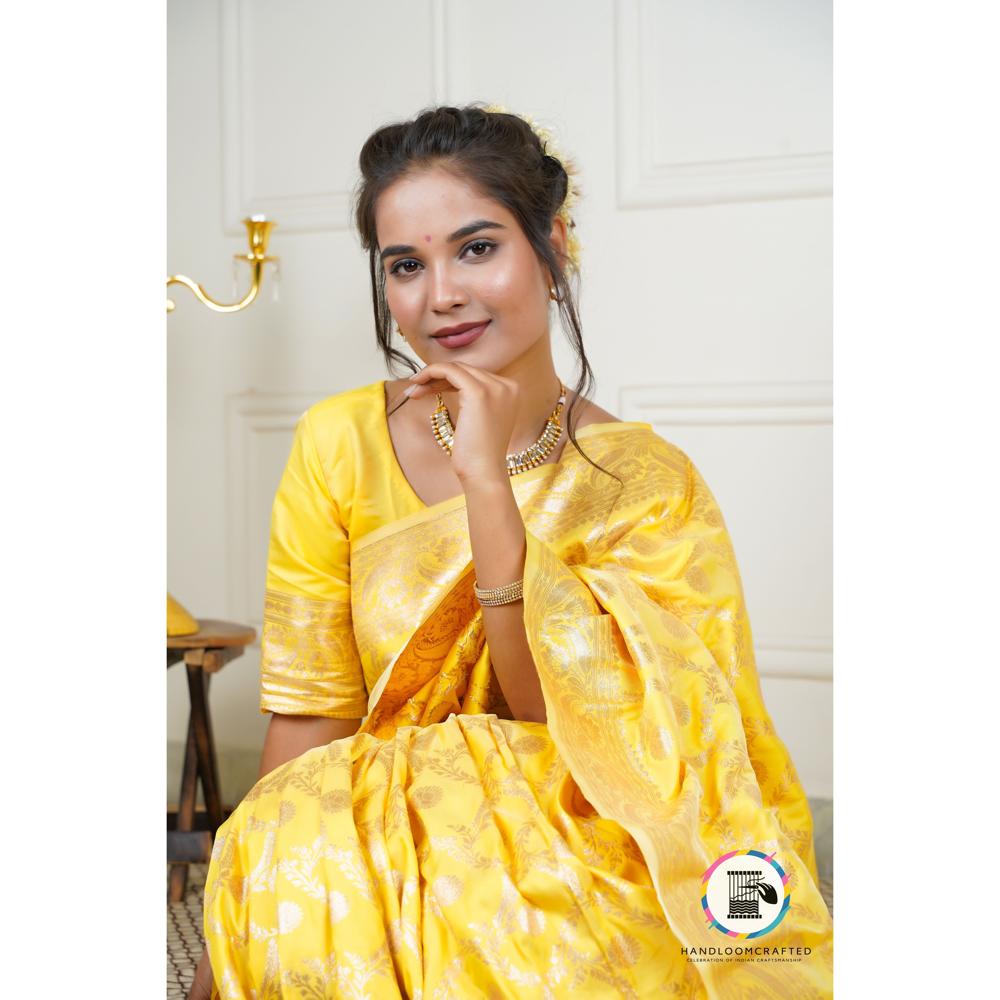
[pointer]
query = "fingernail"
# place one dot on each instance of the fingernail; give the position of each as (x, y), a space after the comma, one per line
(408, 391)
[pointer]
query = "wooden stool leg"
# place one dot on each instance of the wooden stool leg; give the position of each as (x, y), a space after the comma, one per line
(201, 720)
(185, 810)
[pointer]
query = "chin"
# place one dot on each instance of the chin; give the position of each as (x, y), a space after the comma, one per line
(471, 355)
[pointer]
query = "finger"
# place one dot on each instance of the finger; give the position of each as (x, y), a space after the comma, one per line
(434, 383)
(481, 374)
(445, 368)
(438, 369)
(473, 369)
(435, 371)
(447, 371)
(418, 389)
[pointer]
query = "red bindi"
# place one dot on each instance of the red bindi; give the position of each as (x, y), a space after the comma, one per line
(427, 238)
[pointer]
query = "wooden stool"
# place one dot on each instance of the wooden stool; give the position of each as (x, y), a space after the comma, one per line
(204, 653)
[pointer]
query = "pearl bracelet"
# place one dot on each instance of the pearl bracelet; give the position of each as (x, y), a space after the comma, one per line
(507, 594)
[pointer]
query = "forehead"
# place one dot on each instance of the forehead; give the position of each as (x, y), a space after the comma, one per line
(432, 202)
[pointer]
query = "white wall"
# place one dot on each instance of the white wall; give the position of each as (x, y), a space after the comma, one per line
(703, 137)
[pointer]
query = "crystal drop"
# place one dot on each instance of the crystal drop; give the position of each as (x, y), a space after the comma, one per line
(275, 279)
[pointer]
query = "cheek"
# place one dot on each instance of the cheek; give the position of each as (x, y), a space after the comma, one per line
(510, 287)
(399, 300)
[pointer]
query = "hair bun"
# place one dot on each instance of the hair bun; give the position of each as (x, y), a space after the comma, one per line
(552, 165)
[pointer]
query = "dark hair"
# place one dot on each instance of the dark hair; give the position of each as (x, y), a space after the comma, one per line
(502, 156)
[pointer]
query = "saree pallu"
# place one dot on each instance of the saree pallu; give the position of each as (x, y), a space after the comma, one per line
(446, 850)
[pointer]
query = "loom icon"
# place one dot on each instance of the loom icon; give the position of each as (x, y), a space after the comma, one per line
(746, 890)
(735, 887)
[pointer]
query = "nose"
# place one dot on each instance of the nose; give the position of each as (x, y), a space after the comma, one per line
(445, 291)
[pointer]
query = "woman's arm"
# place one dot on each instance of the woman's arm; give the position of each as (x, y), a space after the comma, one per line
(496, 534)
(288, 736)
(496, 529)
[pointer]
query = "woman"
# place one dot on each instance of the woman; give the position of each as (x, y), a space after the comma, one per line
(516, 712)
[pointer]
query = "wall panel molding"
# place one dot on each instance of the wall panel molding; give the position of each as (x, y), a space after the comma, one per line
(720, 403)
(806, 658)
(317, 211)
(643, 182)
(250, 417)
(765, 408)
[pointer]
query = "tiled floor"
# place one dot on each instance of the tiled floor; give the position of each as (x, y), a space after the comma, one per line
(184, 934)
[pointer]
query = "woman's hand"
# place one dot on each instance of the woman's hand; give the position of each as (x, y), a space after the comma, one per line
(489, 409)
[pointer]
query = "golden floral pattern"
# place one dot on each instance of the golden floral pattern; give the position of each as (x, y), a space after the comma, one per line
(444, 851)
(301, 639)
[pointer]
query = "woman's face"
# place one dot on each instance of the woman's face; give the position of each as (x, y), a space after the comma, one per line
(452, 256)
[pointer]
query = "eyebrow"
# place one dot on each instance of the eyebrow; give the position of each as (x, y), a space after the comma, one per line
(467, 230)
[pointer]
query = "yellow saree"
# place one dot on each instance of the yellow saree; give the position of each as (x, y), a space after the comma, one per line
(446, 850)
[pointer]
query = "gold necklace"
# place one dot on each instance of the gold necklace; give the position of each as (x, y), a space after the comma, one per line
(520, 461)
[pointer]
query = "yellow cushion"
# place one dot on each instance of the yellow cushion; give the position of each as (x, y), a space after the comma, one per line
(179, 622)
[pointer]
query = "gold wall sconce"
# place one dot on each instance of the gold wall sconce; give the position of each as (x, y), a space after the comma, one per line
(179, 619)
(258, 234)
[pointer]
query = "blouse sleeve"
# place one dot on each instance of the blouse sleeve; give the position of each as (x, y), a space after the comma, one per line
(309, 659)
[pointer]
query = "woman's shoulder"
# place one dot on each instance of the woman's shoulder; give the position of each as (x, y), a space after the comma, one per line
(591, 413)
(344, 428)
(636, 436)
(647, 462)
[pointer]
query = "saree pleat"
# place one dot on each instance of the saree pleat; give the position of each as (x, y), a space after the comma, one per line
(469, 865)
(446, 850)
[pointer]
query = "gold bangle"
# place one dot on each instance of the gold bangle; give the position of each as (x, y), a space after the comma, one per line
(507, 594)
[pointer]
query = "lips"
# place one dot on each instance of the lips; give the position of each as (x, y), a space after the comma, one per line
(466, 335)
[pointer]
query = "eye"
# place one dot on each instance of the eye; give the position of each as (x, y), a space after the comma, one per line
(489, 244)
(400, 269)
(395, 269)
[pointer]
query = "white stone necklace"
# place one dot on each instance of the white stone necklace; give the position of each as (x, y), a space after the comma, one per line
(527, 458)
